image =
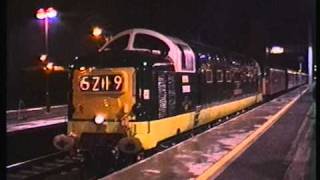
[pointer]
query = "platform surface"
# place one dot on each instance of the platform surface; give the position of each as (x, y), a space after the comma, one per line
(204, 156)
(284, 151)
(20, 120)
(14, 127)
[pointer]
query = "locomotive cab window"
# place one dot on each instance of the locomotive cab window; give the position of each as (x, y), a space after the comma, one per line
(119, 44)
(187, 58)
(144, 41)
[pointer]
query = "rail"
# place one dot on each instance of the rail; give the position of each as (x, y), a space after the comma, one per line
(54, 165)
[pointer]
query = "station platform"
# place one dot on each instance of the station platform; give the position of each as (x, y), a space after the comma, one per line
(14, 127)
(271, 141)
(20, 120)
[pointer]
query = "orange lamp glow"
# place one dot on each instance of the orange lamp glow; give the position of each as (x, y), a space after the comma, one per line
(97, 31)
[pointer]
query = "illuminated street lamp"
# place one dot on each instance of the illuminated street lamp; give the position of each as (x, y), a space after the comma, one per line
(46, 14)
(100, 35)
(97, 31)
(47, 67)
(276, 50)
(43, 57)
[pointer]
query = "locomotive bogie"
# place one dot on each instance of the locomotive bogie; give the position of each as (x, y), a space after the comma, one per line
(275, 81)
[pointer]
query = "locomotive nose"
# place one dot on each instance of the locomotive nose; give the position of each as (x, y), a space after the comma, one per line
(63, 142)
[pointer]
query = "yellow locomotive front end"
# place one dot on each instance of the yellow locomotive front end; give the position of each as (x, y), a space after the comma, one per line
(100, 108)
(102, 99)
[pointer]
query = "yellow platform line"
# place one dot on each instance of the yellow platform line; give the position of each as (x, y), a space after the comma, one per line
(213, 171)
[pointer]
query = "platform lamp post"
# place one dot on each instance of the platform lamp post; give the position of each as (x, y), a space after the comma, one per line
(101, 36)
(274, 50)
(46, 14)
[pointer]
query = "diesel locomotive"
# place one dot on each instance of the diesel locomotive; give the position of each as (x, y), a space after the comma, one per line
(144, 87)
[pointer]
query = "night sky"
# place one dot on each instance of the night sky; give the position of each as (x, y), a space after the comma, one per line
(242, 26)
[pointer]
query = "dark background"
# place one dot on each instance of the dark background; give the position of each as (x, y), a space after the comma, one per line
(247, 27)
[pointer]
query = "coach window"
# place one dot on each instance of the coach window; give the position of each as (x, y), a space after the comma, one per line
(144, 41)
(243, 76)
(209, 76)
(249, 76)
(219, 75)
(228, 76)
(119, 44)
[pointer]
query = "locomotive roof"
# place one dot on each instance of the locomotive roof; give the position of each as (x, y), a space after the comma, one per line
(174, 51)
(118, 58)
(179, 51)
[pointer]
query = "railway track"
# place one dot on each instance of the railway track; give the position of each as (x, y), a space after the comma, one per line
(53, 166)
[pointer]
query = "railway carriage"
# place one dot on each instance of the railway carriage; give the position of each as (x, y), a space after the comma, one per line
(275, 81)
(144, 87)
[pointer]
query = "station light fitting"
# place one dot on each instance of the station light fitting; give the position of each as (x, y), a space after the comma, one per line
(58, 68)
(82, 68)
(41, 14)
(46, 13)
(51, 12)
(276, 50)
(50, 66)
(43, 57)
(267, 50)
(97, 31)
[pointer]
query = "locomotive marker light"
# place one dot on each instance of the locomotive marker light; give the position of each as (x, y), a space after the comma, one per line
(99, 119)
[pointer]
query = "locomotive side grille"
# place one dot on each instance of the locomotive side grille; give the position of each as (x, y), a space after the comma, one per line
(166, 94)
(162, 95)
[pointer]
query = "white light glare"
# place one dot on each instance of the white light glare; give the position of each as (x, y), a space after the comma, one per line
(277, 50)
(51, 12)
(99, 119)
(43, 57)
